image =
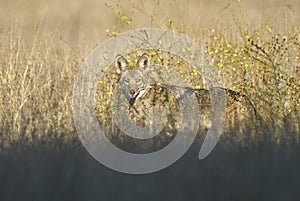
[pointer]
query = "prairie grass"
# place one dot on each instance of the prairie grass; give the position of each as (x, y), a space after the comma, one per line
(40, 56)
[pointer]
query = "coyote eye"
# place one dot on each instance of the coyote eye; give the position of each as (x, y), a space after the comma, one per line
(126, 81)
(138, 80)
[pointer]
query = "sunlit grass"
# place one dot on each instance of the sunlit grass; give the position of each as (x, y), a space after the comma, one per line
(261, 61)
(39, 65)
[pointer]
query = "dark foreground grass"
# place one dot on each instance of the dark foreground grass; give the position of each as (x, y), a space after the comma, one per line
(268, 173)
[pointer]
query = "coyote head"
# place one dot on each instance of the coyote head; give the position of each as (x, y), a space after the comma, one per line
(133, 82)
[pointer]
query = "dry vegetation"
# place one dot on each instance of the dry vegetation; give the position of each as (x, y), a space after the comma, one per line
(39, 60)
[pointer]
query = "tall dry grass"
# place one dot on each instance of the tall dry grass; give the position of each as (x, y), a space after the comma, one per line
(40, 57)
(36, 86)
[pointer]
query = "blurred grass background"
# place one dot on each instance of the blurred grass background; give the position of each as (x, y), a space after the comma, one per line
(43, 43)
(255, 44)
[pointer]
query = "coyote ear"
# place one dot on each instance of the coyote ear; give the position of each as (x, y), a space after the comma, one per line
(121, 63)
(143, 62)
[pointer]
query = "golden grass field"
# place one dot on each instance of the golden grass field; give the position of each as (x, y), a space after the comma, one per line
(255, 44)
(256, 47)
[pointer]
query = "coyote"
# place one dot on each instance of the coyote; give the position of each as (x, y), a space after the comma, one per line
(142, 91)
